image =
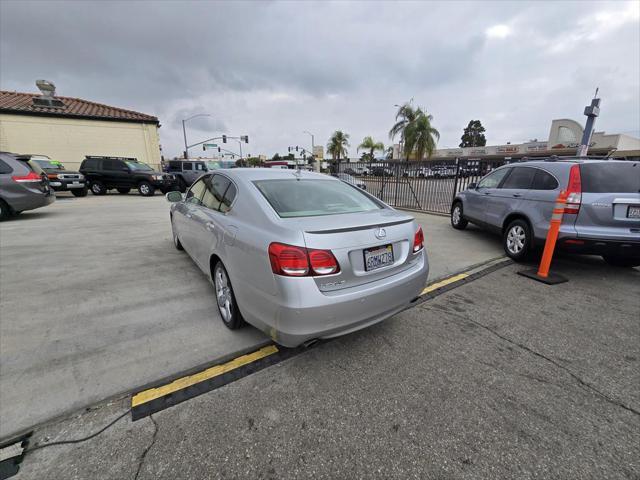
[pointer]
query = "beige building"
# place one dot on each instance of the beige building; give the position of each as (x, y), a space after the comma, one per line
(68, 129)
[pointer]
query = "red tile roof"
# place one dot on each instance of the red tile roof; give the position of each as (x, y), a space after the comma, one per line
(22, 103)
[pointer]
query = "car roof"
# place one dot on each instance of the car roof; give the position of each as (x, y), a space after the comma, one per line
(561, 160)
(252, 174)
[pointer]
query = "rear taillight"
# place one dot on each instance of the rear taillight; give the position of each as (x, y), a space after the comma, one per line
(418, 241)
(292, 261)
(32, 177)
(322, 262)
(574, 191)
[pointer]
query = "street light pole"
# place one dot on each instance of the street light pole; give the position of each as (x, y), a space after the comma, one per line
(313, 151)
(184, 131)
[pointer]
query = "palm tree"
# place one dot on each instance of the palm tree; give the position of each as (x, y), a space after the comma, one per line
(369, 144)
(338, 144)
(415, 130)
(421, 136)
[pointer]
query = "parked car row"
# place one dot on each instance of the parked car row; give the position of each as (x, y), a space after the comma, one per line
(601, 217)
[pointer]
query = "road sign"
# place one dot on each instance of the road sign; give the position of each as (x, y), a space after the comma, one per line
(209, 145)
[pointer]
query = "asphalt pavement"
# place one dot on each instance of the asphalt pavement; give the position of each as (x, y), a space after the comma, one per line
(501, 377)
(97, 302)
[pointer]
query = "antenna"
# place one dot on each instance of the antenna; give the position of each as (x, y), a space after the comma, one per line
(595, 95)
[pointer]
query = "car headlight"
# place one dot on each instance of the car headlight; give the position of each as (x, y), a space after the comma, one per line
(157, 177)
(80, 177)
(60, 176)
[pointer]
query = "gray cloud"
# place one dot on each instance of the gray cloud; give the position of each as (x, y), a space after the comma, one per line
(273, 69)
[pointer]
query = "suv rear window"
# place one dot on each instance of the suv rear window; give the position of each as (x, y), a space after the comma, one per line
(90, 163)
(310, 198)
(610, 177)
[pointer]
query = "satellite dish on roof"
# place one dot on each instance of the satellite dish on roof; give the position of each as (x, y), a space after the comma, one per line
(47, 88)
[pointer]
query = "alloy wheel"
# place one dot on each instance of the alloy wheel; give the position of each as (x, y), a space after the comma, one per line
(516, 239)
(456, 215)
(224, 295)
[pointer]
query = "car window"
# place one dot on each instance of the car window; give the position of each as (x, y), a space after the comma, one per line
(90, 163)
(174, 166)
(309, 198)
(216, 187)
(543, 181)
(199, 167)
(229, 196)
(194, 195)
(5, 168)
(112, 164)
(610, 177)
(519, 177)
(186, 166)
(493, 179)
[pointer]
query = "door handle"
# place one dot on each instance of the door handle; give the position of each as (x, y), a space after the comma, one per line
(517, 195)
(487, 193)
(210, 226)
(189, 215)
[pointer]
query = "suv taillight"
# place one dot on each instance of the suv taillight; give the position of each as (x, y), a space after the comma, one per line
(418, 241)
(293, 261)
(31, 177)
(574, 190)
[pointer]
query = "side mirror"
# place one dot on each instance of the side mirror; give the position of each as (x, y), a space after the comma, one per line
(472, 186)
(173, 197)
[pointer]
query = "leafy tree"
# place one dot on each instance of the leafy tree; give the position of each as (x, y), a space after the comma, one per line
(473, 135)
(276, 157)
(254, 162)
(417, 135)
(388, 153)
(338, 144)
(369, 144)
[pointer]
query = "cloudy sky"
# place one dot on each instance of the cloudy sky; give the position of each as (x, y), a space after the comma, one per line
(274, 69)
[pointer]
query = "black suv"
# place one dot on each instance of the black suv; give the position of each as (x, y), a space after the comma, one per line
(123, 174)
(61, 179)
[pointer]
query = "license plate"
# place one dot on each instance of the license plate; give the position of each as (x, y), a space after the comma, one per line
(76, 183)
(634, 211)
(377, 257)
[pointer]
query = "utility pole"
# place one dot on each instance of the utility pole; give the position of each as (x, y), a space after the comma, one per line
(591, 111)
(313, 152)
(184, 132)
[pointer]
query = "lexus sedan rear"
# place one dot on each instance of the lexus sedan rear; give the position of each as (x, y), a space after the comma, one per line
(299, 255)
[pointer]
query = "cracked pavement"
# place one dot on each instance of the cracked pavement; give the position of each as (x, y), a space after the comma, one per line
(503, 377)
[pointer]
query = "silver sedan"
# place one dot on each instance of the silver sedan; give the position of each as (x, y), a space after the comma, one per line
(299, 255)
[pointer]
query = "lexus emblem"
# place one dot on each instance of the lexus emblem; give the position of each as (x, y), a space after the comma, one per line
(380, 233)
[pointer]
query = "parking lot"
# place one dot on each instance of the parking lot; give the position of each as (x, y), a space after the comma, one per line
(97, 302)
(501, 377)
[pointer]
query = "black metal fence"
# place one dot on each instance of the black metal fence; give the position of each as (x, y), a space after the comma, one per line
(428, 186)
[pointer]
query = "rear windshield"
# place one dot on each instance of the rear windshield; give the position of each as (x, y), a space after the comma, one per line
(610, 177)
(50, 164)
(310, 198)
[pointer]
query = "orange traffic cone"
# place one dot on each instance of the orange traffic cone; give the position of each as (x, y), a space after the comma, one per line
(542, 274)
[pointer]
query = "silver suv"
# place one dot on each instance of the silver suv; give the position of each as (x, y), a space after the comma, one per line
(602, 215)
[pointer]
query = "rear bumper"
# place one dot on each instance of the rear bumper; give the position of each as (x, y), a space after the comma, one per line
(304, 313)
(591, 246)
(30, 201)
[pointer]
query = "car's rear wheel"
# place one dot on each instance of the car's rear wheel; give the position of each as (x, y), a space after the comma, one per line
(80, 192)
(225, 298)
(123, 191)
(146, 189)
(618, 261)
(98, 188)
(517, 240)
(5, 211)
(176, 240)
(457, 219)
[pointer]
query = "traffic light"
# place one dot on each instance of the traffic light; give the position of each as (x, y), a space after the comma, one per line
(296, 148)
(219, 150)
(224, 139)
(246, 139)
(289, 149)
(204, 148)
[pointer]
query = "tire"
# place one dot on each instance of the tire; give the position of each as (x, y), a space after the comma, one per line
(146, 189)
(123, 191)
(624, 262)
(182, 185)
(98, 188)
(5, 211)
(80, 192)
(457, 218)
(176, 240)
(226, 299)
(517, 240)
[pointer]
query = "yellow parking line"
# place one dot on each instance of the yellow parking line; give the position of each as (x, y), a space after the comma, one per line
(446, 281)
(184, 382)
